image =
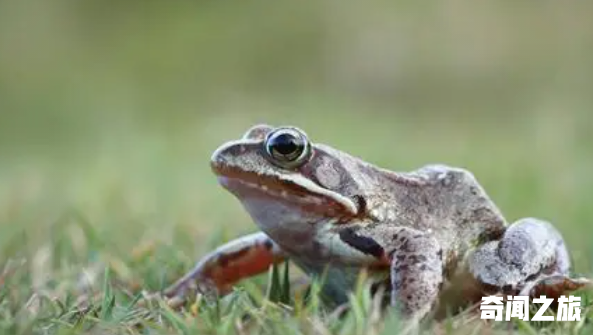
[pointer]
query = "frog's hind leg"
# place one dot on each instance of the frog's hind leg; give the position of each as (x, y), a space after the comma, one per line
(219, 270)
(529, 251)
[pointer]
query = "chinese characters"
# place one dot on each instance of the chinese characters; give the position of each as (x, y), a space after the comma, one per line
(492, 307)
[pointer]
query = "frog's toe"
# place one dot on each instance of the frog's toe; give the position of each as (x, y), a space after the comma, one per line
(555, 285)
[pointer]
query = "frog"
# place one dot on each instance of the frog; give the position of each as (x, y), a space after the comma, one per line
(417, 234)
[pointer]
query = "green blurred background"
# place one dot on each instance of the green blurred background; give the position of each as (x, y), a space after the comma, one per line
(111, 109)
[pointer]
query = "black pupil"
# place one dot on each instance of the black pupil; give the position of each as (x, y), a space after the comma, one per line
(286, 144)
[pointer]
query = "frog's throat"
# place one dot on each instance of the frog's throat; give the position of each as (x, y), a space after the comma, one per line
(290, 187)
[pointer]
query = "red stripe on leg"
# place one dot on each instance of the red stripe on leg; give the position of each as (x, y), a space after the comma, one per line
(227, 269)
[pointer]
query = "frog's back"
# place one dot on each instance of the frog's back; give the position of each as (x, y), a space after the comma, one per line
(449, 203)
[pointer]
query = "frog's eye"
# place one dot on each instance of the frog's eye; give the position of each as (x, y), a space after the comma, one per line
(287, 147)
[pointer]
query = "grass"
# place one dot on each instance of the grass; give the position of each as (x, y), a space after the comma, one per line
(109, 113)
(109, 306)
(81, 241)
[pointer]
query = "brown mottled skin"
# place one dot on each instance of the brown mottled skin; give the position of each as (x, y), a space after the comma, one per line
(333, 215)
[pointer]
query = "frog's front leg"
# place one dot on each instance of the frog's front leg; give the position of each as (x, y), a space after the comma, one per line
(415, 260)
(219, 270)
(416, 273)
(530, 251)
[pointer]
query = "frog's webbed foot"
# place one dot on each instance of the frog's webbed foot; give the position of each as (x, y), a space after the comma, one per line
(190, 287)
(416, 274)
(531, 257)
(219, 270)
(553, 286)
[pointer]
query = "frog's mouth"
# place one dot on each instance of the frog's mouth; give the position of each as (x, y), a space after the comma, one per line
(291, 190)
